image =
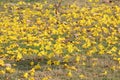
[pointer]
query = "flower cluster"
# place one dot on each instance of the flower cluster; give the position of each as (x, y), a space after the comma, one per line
(28, 29)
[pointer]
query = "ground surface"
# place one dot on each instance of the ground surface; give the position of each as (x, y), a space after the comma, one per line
(77, 40)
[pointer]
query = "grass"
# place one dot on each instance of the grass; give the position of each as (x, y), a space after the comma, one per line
(92, 67)
(95, 67)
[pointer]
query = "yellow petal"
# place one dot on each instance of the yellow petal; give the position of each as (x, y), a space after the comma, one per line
(2, 63)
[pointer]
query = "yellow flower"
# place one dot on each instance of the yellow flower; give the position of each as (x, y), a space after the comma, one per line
(84, 63)
(21, 3)
(2, 63)
(48, 47)
(66, 66)
(90, 0)
(105, 73)
(101, 52)
(49, 62)
(32, 72)
(50, 55)
(113, 68)
(70, 48)
(10, 70)
(87, 44)
(25, 75)
(66, 58)
(69, 74)
(37, 66)
(56, 62)
(77, 59)
(82, 76)
(31, 63)
(73, 68)
(118, 59)
(39, 54)
(94, 64)
(47, 78)
(114, 49)
(31, 78)
(49, 69)
(2, 72)
(100, 46)
(119, 52)
(105, 30)
(19, 56)
(96, 0)
(14, 64)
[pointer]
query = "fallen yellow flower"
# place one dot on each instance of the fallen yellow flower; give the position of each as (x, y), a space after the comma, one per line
(2, 63)
(2, 72)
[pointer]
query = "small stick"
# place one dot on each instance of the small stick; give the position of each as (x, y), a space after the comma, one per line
(57, 6)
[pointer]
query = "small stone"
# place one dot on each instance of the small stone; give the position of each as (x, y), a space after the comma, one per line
(119, 30)
(7, 65)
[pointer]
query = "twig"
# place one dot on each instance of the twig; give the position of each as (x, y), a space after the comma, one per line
(57, 6)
